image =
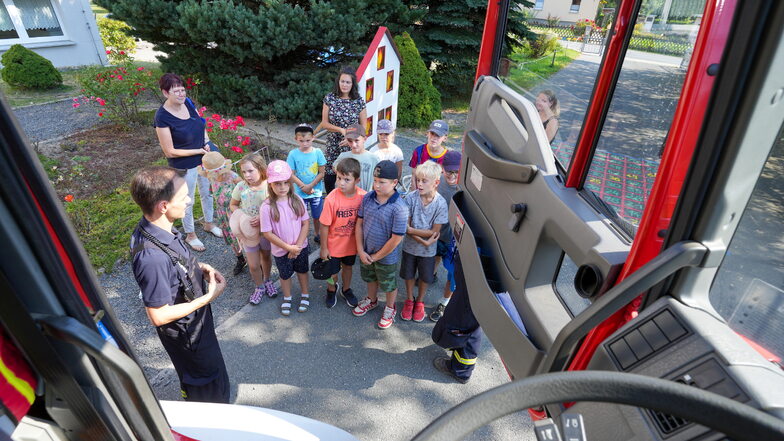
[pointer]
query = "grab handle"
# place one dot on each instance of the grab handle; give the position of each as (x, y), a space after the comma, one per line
(480, 151)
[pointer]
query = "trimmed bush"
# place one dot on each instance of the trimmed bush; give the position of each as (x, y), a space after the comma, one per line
(116, 37)
(419, 102)
(541, 45)
(24, 68)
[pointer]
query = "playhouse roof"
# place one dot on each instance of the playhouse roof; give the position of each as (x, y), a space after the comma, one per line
(382, 30)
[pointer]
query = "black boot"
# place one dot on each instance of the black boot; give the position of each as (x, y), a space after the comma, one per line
(241, 263)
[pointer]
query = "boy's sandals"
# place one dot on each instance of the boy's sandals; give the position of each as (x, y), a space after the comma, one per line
(304, 302)
(196, 244)
(285, 307)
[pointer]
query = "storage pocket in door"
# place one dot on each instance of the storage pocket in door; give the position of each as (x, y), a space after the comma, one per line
(485, 291)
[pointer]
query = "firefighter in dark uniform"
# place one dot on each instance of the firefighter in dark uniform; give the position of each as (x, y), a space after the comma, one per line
(176, 289)
(458, 329)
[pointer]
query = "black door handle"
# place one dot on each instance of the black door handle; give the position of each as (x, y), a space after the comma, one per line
(518, 213)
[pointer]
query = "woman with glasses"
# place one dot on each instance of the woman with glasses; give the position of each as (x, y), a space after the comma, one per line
(184, 140)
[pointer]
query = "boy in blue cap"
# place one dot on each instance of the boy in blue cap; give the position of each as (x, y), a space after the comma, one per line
(382, 222)
(433, 149)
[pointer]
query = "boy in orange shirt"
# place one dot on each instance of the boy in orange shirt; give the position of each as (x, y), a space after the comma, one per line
(338, 220)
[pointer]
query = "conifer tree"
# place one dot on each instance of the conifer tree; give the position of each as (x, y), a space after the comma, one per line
(449, 36)
(260, 58)
(419, 102)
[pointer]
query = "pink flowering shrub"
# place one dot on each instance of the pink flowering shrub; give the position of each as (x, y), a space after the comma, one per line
(579, 27)
(117, 92)
(224, 132)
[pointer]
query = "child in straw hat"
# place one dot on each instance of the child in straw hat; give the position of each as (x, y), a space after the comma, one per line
(222, 178)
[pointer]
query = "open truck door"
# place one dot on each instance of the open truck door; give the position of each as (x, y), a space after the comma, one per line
(610, 249)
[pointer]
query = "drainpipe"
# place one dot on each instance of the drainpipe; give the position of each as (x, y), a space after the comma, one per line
(99, 51)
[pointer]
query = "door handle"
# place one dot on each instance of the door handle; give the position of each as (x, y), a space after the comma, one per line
(480, 151)
(518, 213)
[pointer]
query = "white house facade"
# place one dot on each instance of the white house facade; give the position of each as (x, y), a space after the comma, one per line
(567, 11)
(378, 78)
(63, 31)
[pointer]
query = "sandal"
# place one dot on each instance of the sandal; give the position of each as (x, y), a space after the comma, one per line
(285, 307)
(215, 231)
(196, 244)
(304, 303)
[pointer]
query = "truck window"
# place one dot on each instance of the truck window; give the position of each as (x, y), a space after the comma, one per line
(748, 290)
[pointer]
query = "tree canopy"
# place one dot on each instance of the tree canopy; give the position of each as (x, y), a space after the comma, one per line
(449, 36)
(279, 57)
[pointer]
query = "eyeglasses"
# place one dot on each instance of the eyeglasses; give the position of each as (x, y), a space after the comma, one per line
(451, 173)
(177, 91)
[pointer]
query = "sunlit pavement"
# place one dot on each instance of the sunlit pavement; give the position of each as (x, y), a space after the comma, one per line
(328, 365)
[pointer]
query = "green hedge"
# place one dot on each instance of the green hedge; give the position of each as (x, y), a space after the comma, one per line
(23, 68)
(116, 37)
(666, 46)
(419, 102)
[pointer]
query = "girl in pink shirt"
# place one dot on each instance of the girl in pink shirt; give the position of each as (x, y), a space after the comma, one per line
(285, 223)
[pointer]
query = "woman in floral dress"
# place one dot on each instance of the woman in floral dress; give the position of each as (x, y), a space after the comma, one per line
(342, 108)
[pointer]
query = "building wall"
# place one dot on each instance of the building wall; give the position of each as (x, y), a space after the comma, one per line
(561, 9)
(382, 99)
(80, 43)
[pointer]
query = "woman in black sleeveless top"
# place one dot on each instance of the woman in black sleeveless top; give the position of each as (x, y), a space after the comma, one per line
(547, 105)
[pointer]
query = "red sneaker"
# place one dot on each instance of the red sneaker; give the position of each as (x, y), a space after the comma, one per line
(364, 306)
(419, 311)
(387, 318)
(408, 308)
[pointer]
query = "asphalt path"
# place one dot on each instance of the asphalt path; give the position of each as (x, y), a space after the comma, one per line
(324, 364)
(640, 113)
(328, 365)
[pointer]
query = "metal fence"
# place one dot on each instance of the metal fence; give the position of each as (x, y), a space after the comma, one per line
(668, 44)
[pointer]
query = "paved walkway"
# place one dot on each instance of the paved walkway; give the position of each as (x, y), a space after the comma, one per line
(324, 364)
(641, 111)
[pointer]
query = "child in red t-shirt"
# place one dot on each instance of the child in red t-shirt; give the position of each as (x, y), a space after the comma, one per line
(338, 221)
(433, 149)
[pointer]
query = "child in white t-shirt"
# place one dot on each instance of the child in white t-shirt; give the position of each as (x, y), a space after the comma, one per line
(386, 149)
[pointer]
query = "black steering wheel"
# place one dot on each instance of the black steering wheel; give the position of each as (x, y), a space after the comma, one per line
(736, 420)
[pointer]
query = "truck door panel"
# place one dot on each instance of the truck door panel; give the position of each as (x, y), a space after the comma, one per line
(508, 168)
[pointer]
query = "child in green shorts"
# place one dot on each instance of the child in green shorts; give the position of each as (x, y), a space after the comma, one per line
(381, 224)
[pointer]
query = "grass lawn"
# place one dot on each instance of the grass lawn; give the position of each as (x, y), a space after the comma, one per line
(457, 104)
(91, 172)
(527, 73)
(69, 89)
(25, 97)
(105, 221)
(97, 10)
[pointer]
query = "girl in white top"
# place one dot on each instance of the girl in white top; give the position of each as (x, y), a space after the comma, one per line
(386, 149)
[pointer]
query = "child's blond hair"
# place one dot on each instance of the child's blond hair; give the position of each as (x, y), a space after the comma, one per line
(258, 163)
(428, 170)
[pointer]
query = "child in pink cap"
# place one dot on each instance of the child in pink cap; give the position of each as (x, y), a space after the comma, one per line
(285, 223)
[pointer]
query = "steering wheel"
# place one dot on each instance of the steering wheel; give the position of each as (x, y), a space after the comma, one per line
(736, 420)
